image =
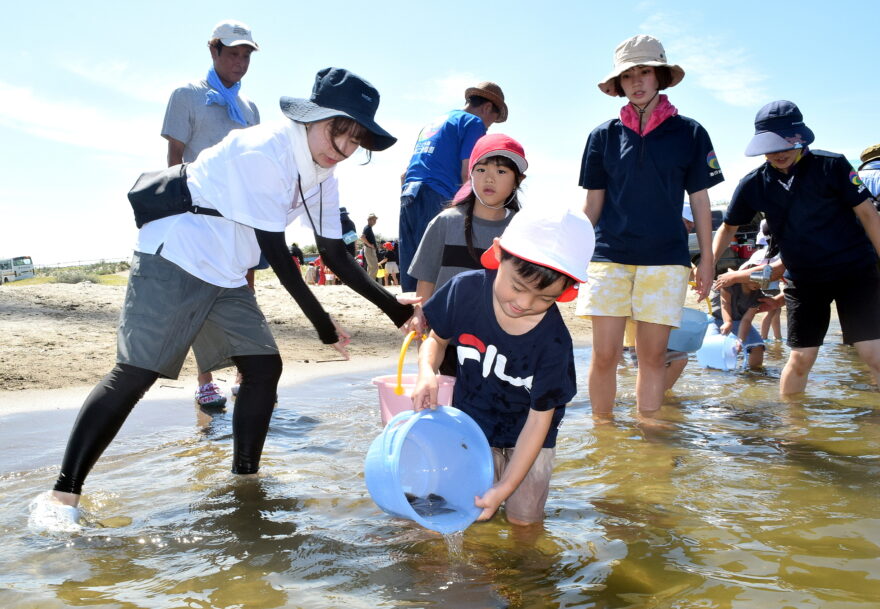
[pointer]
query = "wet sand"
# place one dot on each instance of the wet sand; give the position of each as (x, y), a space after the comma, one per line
(58, 336)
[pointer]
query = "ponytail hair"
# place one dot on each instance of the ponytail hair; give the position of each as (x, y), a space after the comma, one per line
(469, 200)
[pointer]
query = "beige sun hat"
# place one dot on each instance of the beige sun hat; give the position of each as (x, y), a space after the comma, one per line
(871, 153)
(640, 50)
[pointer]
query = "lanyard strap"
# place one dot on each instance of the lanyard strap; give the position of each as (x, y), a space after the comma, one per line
(320, 204)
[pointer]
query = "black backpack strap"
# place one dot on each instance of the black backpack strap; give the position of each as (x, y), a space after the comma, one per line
(205, 211)
(187, 198)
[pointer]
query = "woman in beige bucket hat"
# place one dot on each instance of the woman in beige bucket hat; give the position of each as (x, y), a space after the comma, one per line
(637, 170)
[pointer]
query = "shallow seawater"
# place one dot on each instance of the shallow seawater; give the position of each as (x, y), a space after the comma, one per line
(741, 501)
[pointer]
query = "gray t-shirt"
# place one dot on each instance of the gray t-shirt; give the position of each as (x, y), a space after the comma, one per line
(443, 253)
(740, 302)
(200, 126)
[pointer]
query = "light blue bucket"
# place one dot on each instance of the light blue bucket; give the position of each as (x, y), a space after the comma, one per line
(719, 351)
(428, 466)
(689, 337)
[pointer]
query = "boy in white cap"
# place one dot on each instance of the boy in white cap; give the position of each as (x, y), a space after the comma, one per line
(203, 112)
(823, 219)
(515, 360)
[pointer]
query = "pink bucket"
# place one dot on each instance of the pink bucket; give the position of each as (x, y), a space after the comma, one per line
(391, 404)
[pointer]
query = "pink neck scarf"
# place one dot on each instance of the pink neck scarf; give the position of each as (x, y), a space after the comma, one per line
(629, 116)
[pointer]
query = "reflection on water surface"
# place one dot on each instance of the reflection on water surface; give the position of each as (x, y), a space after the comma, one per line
(744, 501)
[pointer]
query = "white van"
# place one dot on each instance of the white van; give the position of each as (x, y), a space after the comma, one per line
(13, 269)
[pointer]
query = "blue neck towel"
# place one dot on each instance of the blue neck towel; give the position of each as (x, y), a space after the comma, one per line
(223, 96)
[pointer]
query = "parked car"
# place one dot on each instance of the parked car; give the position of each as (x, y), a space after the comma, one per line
(740, 249)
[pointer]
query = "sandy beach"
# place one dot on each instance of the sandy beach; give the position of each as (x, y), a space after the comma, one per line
(64, 335)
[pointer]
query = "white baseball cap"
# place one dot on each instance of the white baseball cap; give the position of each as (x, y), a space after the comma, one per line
(561, 239)
(233, 33)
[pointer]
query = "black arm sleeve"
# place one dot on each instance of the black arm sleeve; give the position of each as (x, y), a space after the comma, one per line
(334, 255)
(275, 251)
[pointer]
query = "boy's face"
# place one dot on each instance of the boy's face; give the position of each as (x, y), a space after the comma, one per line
(516, 297)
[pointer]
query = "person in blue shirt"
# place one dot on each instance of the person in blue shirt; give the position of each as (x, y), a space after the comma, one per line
(823, 219)
(637, 169)
(515, 369)
(439, 166)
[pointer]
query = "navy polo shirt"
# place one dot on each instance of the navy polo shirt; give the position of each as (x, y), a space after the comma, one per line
(645, 180)
(500, 376)
(810, 212)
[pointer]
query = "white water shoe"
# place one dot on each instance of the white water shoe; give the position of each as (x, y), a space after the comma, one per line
(47, 514)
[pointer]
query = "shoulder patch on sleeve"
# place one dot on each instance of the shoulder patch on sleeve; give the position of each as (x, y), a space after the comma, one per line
(712, 160)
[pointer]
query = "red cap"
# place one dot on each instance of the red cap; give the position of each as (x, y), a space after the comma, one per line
(498, 144)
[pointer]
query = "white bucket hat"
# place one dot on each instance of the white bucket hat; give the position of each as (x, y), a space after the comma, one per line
(640, 50)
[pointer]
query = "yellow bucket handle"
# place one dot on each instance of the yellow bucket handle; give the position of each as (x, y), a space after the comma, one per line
(708, 300)
(398, 389)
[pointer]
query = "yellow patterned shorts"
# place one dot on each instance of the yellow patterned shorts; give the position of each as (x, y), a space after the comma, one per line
(653, 294)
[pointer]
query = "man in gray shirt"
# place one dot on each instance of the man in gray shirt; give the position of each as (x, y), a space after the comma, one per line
(201, 113)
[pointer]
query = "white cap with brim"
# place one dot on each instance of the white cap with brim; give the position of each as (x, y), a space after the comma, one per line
(233, 34)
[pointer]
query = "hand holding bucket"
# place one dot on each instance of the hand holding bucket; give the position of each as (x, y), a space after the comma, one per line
(395, 390)
(428, 466)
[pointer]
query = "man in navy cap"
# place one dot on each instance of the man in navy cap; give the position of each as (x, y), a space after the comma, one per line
(828, 231)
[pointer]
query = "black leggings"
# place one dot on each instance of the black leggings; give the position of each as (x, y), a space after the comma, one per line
(111, 401)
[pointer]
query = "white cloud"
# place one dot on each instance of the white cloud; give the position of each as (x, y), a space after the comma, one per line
(726, 71)
(61, 119)
(446, 90)
(117, 75)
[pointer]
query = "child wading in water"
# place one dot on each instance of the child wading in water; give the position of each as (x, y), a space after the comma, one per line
(480, 211)
(636, 170)
(734, 308)
(515, 360)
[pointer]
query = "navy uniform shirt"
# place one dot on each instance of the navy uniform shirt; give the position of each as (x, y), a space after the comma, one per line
(810, 213)
(500, 377)
(645, 179)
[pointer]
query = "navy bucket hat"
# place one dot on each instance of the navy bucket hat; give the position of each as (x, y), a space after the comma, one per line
(779, 126)
(338, 92)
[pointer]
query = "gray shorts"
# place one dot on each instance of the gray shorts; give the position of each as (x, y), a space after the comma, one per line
(167, 310)
(526, 504)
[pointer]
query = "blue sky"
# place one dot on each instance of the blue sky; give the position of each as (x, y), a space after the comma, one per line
(82, 99)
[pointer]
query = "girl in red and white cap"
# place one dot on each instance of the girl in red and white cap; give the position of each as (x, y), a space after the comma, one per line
(480, 211)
